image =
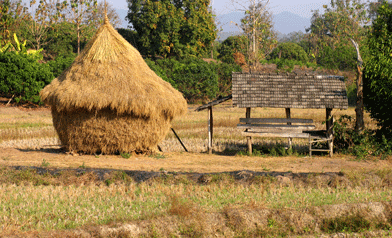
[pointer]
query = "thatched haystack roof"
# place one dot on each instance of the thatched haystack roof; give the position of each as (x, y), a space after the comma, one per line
(111, 73)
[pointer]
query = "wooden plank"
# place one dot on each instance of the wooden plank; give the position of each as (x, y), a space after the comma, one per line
(213, 103)
(283, 135)
(288, 116)
(276, 127)
(210, 129)
(248, 138)
(276, 120)
(325, 150)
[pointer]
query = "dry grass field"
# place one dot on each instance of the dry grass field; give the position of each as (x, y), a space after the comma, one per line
(46, 192)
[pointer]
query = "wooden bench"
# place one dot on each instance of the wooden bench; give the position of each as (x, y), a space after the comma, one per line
(286, 128)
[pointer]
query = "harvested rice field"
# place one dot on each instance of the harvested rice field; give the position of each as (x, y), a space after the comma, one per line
(46, 192)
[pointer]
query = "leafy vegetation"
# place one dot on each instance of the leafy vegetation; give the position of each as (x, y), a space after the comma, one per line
(22, 77)
(330, 34)
(378, 72)
(195, 78)
(360, 144)
(289, 51)
(166, 28)
(231, 45)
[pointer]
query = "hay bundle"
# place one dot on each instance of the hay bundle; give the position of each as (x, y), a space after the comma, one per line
(109, 100)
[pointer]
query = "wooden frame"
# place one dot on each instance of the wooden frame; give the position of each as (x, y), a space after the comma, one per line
(288, 128)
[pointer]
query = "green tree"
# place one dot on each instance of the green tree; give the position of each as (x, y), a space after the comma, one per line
(64, 41)
(172, 28)
(289, 51)
(330, 33)
(377, 74)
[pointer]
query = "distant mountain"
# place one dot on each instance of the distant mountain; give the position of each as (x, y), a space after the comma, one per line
(286, 22)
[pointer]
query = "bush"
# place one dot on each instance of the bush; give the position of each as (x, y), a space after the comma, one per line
(60, 64)
(342, 57)
(377, 74)
(289, 51)
(361, 145)
(159, 71)
(230, 46)
(196, 79)
(224, 72)
(22, 76)
(286, 64)
(352, 94)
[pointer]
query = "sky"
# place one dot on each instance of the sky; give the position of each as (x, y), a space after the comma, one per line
(302, 8)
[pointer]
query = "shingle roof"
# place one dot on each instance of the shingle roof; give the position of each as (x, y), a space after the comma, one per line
(289, 91)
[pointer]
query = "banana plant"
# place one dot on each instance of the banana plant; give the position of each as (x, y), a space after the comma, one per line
(21, 49)
(5, 48)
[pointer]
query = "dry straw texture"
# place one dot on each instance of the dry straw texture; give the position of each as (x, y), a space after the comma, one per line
(109, 100)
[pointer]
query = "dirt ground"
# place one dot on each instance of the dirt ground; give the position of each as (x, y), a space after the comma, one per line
(189, 162)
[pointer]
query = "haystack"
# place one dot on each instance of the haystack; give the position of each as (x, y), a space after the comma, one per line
(110, 101)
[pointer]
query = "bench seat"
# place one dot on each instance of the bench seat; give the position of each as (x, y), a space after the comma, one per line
(286, 128)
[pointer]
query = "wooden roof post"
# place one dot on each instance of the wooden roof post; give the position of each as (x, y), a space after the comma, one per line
(210, 129)
(329, 125)
(288, 115)
(249, 138)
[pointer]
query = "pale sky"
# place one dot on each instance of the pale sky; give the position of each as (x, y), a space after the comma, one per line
(299, 7)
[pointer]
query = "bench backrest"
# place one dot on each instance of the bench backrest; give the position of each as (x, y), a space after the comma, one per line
(276, 121)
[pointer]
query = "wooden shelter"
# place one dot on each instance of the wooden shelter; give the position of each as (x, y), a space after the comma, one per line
(250, 90)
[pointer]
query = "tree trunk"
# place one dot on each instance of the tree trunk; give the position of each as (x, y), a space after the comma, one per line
(359, 123)
(78, 31)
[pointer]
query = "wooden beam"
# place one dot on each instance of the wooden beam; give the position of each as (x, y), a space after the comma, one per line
(273, 135)
(178, 138)
(210, 129)
(276, 120)
(249, 138)
(328, 121)
(276, 126)
(288, 116)
(329, 125)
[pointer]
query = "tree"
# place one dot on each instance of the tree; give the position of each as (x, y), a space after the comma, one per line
(77, 11)
(258, 27)
(373, 7)
(43, 16)
(330, 33)
(12, 14)
(96, 17)
(289, 51)
(295, 37)
(172, 28)
(377, 74)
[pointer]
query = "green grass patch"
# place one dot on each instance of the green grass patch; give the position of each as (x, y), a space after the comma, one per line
(16, 125)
